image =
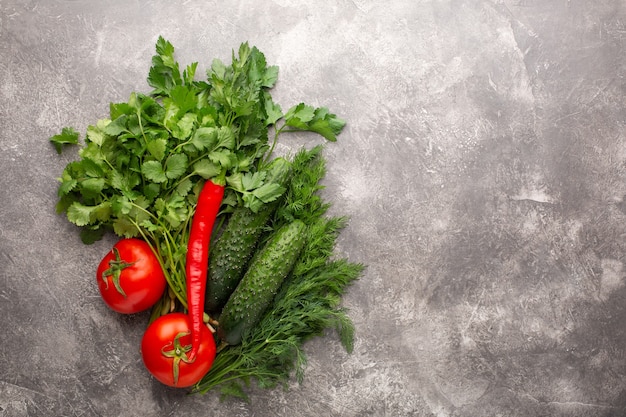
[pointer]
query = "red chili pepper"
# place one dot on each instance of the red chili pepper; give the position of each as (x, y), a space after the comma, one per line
(207, 208)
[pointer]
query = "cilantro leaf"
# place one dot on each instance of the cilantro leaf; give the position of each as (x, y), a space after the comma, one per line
(118, 109)
(66, 186)
(153, 171)
(95, 134)
(117, 126)
(101, 212)
(157, 148)
(218, 69)
(123, 226)
(151, 190)
(92, 187)
(91, 168)
(89, 235)
(68, 136)
(184, 187)
(185, 126)
(125, 182)
(79, 214)
(121, 206)
(176, 165)
(206, 169)
(223, 158)
(204, 138)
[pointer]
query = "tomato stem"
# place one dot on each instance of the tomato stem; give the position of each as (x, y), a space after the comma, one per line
(178, 353)
(116, 266)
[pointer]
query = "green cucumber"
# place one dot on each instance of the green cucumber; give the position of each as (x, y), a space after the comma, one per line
(234, 248)
(261, 282)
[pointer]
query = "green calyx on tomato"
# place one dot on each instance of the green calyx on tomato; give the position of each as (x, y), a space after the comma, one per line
(177, 353)
(130, 277)
(116, 266)
(165, 346)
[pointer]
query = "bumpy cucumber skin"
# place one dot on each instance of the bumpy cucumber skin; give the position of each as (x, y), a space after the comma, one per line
(261, 282)
(234, 248)
(231, 254)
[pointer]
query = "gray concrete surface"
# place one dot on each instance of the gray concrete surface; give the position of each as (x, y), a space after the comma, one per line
(483, 167)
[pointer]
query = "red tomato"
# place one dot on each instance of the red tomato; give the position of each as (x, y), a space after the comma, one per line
(130, 277)
(164, 349)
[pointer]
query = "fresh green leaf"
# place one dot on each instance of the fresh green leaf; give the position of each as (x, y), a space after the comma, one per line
(125, 182)
(125, 227)
(251, 181)
(269, 77)
(121, 206)
(303, 117)
(157, 148)
(66, 186)
(92, 187)
(176, 165)
(68, 136)
(101, 212)
(206, 169)
(222, 158)
(235, 181)
(299, 115)
(149, 226)
(95, 134)
(268, 192)
(189, 73)
(117, 126)
(204, 138)
(174, 211)
(185, 126)
(118, 109)
(90, 235)
(92, 168)
(225, 138)
(184, 187)
(151, 190)
(166, 50)
(273, 110)
(164, 73)
(218, 69)
(79, 214)
(153, 171)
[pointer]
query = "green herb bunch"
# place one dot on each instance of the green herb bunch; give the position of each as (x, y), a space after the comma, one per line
(140, 170)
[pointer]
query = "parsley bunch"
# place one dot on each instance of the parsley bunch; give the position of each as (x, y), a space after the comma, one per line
(140, 170)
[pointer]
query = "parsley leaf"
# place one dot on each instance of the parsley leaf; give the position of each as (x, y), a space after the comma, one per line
(319, 120)
(164, 73)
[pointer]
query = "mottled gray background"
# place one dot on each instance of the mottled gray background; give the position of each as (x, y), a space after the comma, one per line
(483, 167)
